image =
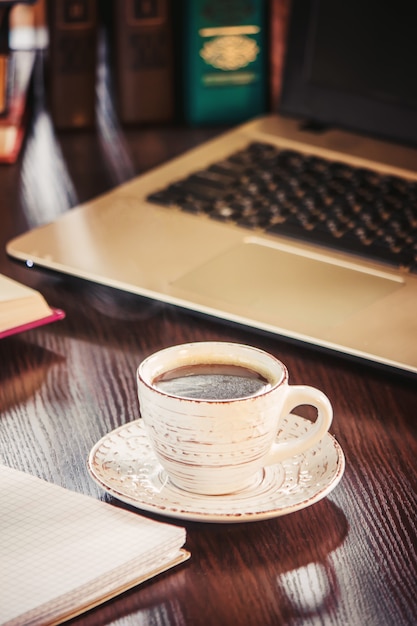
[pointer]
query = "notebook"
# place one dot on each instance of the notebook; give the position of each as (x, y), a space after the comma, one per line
(63, 552)
(349, 99)
(23, 308)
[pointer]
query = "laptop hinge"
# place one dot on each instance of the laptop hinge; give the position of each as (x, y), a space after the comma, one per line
(312, 126)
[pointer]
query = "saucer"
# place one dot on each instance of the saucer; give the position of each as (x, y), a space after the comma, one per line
(124, 465)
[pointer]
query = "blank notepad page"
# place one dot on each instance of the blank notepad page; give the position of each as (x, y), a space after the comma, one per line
(62, 552)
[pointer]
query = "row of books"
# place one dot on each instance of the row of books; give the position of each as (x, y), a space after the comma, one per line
(15, 76)
(200, 61)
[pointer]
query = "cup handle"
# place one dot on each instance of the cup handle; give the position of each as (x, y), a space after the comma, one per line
(296, 396)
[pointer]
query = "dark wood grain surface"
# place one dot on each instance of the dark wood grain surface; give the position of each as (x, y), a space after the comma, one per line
(349, 559)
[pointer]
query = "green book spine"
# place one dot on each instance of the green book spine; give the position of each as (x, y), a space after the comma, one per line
(224, 60)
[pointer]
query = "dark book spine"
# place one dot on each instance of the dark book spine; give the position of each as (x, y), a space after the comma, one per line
(224, 60)
(144, 61)
(4, 56)
(72, 26)
(278, 22)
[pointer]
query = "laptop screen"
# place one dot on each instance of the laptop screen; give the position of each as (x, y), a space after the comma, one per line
(353, 65)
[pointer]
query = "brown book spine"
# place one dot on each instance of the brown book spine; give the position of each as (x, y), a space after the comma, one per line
(3, 82)
(72, 26)
(13, 122)
(144, 64)
(278, 21)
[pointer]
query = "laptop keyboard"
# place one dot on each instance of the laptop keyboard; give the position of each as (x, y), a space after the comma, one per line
(288, 193)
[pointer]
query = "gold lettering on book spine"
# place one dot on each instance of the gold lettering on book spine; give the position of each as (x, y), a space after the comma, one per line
(230, 53)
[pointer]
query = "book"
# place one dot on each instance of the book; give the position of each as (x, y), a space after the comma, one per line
(4, 54)
(224, 60)
(143, 61)
(3, 81)
(10, 18)
(278, 11)
(72, 62)
(23, 308)
(64, 552)
(14, 122)
(27, 24)
(16, 70)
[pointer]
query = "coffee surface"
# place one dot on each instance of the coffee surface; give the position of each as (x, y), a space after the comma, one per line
(212, 382)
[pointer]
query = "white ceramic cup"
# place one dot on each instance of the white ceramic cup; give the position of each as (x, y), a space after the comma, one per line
(218, 446)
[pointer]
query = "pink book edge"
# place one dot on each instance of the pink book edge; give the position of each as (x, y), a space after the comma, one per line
(57, 314)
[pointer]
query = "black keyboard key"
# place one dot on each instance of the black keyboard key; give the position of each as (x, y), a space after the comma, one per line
(216, 180)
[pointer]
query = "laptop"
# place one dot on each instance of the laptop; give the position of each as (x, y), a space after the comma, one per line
(348, 115)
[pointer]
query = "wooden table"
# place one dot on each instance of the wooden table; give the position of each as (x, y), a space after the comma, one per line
(349, 559)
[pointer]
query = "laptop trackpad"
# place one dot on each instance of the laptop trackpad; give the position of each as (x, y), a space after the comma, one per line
(283, 288)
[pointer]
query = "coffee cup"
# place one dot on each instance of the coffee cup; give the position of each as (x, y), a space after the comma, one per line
(212, 411)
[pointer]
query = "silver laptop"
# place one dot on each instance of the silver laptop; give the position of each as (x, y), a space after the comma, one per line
(349, 116)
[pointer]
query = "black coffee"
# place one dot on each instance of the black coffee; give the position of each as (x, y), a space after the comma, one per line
(214, 381)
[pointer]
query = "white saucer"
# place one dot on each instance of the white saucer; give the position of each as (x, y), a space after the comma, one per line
(123, 464)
